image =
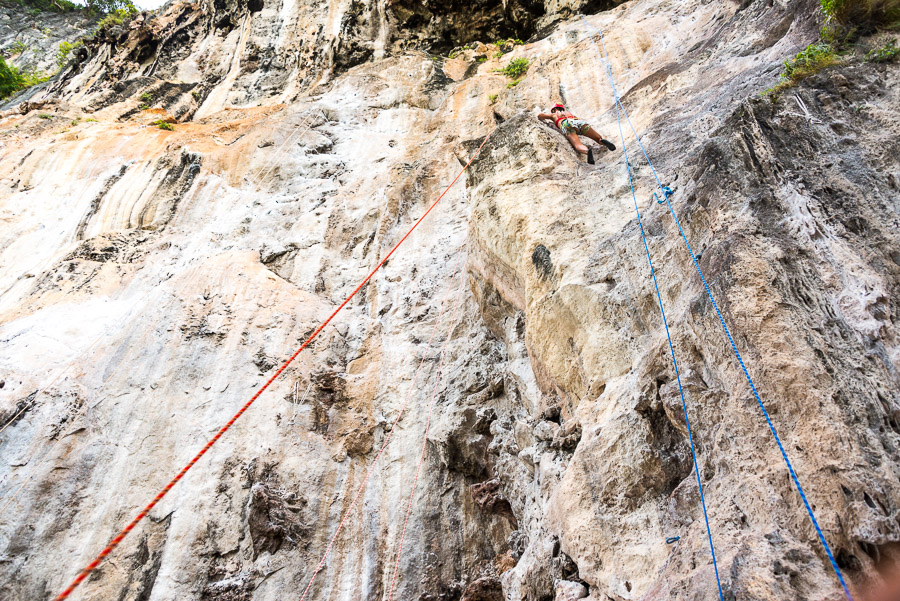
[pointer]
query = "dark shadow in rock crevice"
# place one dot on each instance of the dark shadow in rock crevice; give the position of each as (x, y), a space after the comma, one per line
(671, 446)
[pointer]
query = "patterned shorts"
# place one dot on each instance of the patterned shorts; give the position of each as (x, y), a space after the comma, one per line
(574, 126)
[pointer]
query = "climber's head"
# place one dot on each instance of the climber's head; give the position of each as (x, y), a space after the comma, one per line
(557, 107)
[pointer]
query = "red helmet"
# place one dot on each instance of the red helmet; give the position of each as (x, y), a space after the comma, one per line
(557, 106)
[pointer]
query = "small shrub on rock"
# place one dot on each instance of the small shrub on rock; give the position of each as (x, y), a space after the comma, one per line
(807, 62)
(886, 54)
(863, 14)
(116, 17)
(17, 47)
(11, 80)
(64, 53)
(516, 68)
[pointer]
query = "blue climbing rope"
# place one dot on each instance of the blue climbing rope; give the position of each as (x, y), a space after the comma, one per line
(669, 338)
(737, 353)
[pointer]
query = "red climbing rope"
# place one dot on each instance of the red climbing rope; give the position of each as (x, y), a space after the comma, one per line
(140, 516)
(387, 438)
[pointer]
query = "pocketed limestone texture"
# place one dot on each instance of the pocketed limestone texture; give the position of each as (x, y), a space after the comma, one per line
(151, 280)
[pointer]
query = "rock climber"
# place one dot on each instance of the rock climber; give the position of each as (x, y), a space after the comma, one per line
(571, 126)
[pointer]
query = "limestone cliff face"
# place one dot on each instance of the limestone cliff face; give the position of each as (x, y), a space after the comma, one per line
(30, 39)
(151, 280)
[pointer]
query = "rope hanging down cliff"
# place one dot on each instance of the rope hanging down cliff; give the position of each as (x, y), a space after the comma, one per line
(159, 496)
(671, 346)
(734, 348)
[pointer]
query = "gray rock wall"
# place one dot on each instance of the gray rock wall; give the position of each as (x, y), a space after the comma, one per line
(152, 280)
(30, 39)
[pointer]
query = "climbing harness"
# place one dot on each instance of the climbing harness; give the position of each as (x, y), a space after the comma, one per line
(734, 348)
(390, 433)
(159, 496)
(666, 325)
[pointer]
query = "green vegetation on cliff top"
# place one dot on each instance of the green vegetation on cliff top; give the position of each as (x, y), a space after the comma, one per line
(845, 21)
(91, 7)
(115, 12)
(865, 15)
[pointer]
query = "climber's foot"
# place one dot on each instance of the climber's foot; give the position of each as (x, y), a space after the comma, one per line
(591, 156)
(609, 145)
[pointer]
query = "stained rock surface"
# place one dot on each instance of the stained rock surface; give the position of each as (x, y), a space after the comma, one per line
(152, 280)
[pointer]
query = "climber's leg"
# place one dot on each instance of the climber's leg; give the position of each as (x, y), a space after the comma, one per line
(593, 135)
(575, 141)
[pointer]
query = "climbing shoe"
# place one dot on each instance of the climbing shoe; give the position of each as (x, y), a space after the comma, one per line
(591, 156)
(609, 145)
